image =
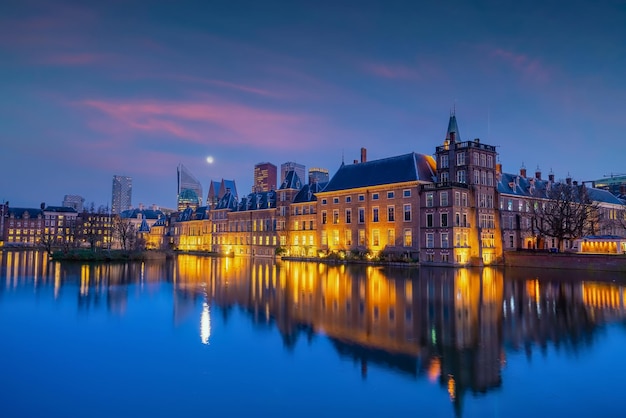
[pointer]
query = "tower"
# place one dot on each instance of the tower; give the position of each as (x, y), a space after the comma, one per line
(122, 194)
(189, 193)
(264, 177)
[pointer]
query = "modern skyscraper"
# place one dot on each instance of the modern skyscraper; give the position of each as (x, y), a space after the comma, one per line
(189, 189)
(318, 175)
(291, 166)
(122, 194)
(73, 201)
(264, 177)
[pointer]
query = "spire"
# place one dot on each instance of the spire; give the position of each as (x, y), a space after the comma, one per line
(453, 130)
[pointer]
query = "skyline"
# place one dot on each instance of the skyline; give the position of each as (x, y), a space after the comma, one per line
(137, 88)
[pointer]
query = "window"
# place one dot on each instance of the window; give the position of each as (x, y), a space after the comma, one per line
(443, 199)
(336, 216)
(463, 199)
(391, 213)
(296, 225)
(348, 237)
(460, 176)
(490, 179)
(375, 214)
(430, 240)
(483, 160)
(458, 239)
(323, 201)
(348, 216)
(457, 199)
(324, 220)
(475, 158)
(335, 237)
(361, 237)
(444, 161)
(509, 205)
(361, 215)
(490, 161)
(465, 220)
(348, 199)
(406, 193)
(390, 195)
(444, 240)
(429, 200)
(408, 238)
(376, 237)
(457, 219)
(374, 196)
(460, 158)
(324, 238)
(407, 212)
(483, 178)
(444, 220)
(335, 200)
(445, 177)
(391, 237)
(511, 241)
(361, 197)
(476, 177)
(429, 220)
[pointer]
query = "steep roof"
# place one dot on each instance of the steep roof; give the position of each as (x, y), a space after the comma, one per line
(292, 181)
(259, 200)
(144, 225)
(453, 128)
(147, 213)
(19, 212)
(514, 184)
(398, 169)
(228, 201)
(60, 209)
(307, 192)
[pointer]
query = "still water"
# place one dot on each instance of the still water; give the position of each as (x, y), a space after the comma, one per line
(202, 336)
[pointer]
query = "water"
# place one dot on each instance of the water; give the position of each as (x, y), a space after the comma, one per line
(230, 337)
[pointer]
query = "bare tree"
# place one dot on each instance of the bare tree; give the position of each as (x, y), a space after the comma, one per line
(47, 243)
(124, 231)
(567, 214)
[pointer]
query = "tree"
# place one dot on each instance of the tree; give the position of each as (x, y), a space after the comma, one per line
(567, 213)
(124, 231)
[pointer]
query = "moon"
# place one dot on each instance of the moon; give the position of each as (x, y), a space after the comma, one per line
(209, 159)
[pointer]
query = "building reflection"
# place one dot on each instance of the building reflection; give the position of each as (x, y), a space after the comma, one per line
(452, 327)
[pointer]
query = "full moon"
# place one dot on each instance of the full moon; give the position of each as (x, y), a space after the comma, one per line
(209, 159)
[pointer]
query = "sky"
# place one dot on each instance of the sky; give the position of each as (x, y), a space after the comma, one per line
(91, 89)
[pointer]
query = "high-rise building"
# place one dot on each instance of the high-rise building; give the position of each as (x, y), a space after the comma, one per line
(264, 177)
(122, 194)
(189, 189)
(73, 201)
(318, 175)
(291, 166)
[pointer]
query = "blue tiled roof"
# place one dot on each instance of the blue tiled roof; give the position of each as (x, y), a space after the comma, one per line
(60, 209)
(147, 213)
(228, 201)
(144, 226)
(292, 181)
(307, 193)
(514, 184)
(19, 212)
(399, 169)
(256, 201)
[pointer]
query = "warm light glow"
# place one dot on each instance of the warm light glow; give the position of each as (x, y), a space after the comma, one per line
(205, 324)
(434, 369)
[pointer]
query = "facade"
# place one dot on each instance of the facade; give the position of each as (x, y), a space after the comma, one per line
(73, 201)
(373, 207)
(318, 175)
(264, 177)
(459, 218)
(122, 194)
(189, 192)
(23, 227)
(289, 166)
(94, 229)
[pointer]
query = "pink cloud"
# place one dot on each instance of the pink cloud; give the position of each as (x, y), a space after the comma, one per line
(226, 84)
(528, 67)
(394, 72)
(205, 122)
(74, 59)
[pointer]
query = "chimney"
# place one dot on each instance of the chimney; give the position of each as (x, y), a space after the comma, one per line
(575, 183)
(568, 180)
(356, 161)
(363, 155)
(43, 205)
(538, 173)
(522, 171)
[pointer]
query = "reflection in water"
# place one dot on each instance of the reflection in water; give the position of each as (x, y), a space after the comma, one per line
(449, 326)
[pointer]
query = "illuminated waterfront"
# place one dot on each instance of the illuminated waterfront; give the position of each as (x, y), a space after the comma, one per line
(233, 337)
